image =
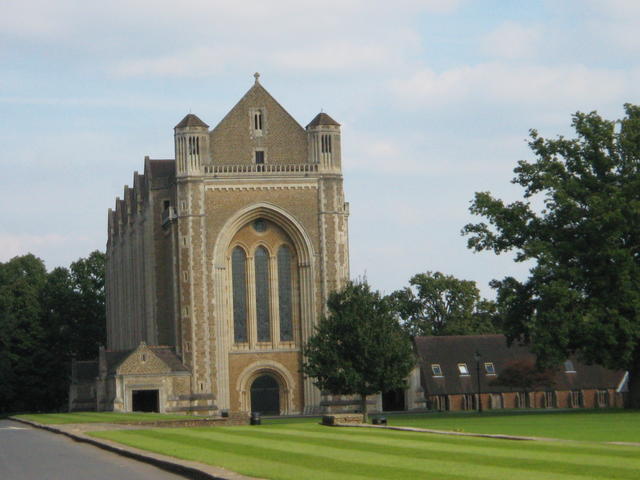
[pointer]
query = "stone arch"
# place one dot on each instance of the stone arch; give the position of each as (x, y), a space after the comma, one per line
(306, 257)
(282, 218)
(274, 369)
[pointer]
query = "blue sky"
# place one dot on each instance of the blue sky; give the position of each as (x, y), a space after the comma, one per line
(435, 98)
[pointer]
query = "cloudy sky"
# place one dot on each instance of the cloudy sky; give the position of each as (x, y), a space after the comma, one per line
(435, 98)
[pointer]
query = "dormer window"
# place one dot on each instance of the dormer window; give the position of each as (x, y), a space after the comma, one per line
(462, 368)
(568, 367)
(437, 371)
(489, 368)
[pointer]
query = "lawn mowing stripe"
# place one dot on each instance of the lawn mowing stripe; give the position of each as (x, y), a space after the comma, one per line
(231, 460)
(317, 466)
(488, 458)
(416, 440)
(382, 462)
(377, 441)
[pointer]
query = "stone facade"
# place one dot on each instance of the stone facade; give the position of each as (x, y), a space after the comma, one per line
(259, 186)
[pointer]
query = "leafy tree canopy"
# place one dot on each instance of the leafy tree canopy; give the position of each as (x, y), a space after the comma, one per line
(359, 347)
(46, 319)
(583, 291)
(439, 304)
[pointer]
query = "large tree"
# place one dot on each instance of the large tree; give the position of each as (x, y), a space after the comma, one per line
(579, 227)
(439, 304)
(46, 319)
(359, 347)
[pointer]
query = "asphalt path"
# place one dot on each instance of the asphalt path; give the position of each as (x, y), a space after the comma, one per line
(28, 453)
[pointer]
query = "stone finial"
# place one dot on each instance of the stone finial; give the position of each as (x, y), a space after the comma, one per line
(257, 77)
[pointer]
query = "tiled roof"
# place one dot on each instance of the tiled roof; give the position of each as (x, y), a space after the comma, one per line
(115, 358)
(162, 168)
(86, 370)
(167, 355)
(191, 120)
(449, 351)
(322, 119)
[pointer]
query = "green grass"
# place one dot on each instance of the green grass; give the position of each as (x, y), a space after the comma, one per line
(100, 417)
(307, 450)
(590, 425)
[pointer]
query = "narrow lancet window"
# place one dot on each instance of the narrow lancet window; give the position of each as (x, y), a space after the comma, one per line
(261, 260)
(284, 293)
(238, 273)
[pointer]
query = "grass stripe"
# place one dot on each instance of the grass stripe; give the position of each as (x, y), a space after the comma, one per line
(379, 464)
(317, 466)
(392, 454)
(413, 439)
(377, 441)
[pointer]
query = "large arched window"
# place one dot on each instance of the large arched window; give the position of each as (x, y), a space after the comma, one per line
(239, 275)
(261, 259)
(265, 287)
(284, 293)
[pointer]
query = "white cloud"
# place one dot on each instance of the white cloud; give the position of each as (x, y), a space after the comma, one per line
(14, 244)
(526, 85)
(512, 41)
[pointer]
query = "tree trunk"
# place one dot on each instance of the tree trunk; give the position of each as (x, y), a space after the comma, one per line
(363, 407)
(633, 400)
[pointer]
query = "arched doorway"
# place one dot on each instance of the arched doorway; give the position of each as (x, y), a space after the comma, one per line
(393, 400)
(265, 395)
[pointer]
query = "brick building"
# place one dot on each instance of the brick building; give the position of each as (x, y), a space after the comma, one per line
(454, 369)
(219, 262)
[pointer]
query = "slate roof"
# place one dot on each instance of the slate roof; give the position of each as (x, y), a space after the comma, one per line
(322, 119)
(191, 120)
(162, 168)
(167, 355)
(449, 351)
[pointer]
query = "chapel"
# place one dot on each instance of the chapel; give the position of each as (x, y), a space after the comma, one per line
(219, 264)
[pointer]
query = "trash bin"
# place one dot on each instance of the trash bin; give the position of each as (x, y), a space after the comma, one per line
(255, 418)
(380, 421)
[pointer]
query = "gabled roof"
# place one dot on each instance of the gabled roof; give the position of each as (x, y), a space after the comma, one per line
(256, 90)
(191, 120)
(449, 351)
(322, 119)
(115, 358)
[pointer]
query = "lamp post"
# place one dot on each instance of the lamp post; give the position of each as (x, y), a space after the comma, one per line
(478, 357)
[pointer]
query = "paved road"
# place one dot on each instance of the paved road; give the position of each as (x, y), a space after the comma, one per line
(28, 453)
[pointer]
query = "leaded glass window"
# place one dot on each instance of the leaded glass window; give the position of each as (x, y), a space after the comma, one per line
(238, 273)
(284, 293)
(261, 260)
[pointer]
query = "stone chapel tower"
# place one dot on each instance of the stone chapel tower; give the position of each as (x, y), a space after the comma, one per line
(221, 262)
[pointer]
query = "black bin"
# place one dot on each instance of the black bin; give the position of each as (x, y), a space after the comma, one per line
(255, 418)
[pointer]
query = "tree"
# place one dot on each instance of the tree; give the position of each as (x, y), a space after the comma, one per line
(438, 304)
(524, 375)
(583, 291)
(46, 319)
(21, 333)
(359, 347)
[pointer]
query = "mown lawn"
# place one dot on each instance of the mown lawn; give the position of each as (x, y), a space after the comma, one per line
(591, 425)
(311, 451)
(99, 417)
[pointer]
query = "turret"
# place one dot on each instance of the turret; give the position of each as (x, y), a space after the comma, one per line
(191, 144)
(323, 134)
